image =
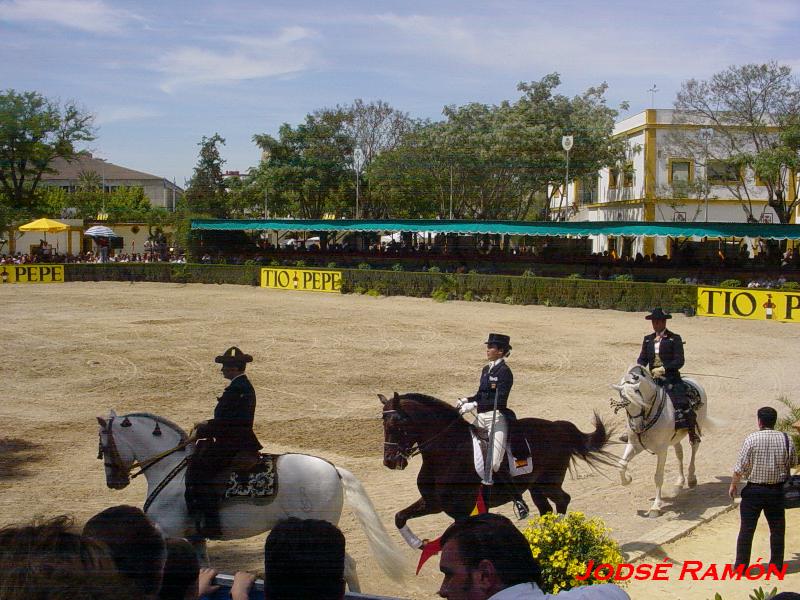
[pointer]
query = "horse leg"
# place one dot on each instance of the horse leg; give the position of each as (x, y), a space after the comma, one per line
(420, 508)
(559, 497)
(655, 510)
(540, 500)
(692, 475)
(630, 452)
(350, 575)
(681, 480)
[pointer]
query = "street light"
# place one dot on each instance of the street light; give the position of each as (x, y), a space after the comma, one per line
(358, 162)
(706, 133)
(566, 143)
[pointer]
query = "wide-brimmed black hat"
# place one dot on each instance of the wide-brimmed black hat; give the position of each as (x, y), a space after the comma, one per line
(658, 315)
(499, 340)
(234, 356)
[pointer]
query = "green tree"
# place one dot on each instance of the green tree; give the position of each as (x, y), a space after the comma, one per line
(206, 192)
(33, 131)
(308, 168)
(753, 112)
(497, 161)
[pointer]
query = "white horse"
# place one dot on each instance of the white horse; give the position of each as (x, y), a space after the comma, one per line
(651, 427)
(307, 487)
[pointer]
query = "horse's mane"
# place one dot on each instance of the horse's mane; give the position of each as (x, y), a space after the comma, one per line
(163, 420)
(441, 407)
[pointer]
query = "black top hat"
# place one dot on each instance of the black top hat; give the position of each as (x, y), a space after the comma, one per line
(658, 315)
(499, 340)
(234, 356)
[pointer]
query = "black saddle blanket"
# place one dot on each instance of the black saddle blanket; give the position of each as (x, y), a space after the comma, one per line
(255, 483)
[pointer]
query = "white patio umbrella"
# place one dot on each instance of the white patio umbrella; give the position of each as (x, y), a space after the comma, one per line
(100, 231)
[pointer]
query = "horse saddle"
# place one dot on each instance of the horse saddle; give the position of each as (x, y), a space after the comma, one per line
(518, 451)
(256, 480)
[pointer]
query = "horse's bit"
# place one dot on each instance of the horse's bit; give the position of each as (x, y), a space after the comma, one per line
(408, 450)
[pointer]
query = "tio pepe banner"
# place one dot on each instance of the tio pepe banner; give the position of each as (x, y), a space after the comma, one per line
(301, 279)
(40, 273)
(759, 305)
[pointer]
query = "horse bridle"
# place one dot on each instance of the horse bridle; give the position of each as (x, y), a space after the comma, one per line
(116, 460)
(410, 449)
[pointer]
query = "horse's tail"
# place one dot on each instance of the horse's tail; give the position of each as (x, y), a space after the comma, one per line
(591, 447)
(386, 552)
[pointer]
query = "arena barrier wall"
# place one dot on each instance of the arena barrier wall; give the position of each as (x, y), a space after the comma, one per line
(507, 289)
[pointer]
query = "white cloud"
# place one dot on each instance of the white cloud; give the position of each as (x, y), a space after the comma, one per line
(87, 15)
(116, 114)
(244, 58)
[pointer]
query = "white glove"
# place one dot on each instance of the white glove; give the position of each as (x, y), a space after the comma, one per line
(658, 372)
(461, 402)
(467, 407)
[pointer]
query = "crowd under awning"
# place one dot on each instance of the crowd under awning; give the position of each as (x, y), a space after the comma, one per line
(529, 228)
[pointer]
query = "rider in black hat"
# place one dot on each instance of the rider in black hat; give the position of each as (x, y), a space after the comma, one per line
(662, 353)
(495, 384)
(226, 441)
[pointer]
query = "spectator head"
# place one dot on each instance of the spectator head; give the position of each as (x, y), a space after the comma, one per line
(47, 560)
(483, 555)
(181, 570)
(304, 558)
(767, 417)
(136, 545)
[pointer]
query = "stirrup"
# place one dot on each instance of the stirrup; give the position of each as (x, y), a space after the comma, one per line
(521, 510)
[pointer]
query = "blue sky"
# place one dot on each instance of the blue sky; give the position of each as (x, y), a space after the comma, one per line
(160, 75)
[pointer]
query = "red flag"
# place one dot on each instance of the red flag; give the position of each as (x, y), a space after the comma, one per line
(428, 550)
(433, 548)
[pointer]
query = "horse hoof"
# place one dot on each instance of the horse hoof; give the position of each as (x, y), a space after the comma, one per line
(692, 483)
(626, 480)
(654, 513)
(680, 482)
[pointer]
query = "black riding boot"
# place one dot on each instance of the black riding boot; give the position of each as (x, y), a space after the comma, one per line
(503, 478)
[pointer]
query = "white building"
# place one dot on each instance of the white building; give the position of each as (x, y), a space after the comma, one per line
(673, 171)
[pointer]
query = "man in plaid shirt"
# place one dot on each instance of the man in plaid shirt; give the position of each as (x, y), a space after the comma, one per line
(764, 460)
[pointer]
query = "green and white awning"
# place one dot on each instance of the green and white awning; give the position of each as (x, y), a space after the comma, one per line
(532, 228)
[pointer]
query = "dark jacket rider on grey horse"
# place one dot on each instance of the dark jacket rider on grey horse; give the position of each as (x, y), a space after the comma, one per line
(662, 353)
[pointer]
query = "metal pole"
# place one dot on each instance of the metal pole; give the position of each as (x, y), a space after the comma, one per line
(566, 189)
(357, 193)
(265, 203)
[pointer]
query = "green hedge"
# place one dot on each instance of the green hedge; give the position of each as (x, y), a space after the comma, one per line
(583, 293)
(164, 273)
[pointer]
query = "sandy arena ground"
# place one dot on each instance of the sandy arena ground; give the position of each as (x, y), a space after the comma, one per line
(75, 350)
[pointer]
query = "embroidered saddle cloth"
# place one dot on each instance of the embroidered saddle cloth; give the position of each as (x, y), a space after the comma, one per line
(258, 482)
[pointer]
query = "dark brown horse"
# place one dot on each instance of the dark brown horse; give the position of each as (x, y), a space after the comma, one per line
(447, 481)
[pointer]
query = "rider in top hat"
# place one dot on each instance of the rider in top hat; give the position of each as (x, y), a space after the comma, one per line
(662, 353)
(495, 385)
(227, 440)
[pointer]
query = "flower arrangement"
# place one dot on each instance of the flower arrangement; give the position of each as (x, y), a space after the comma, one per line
(564, 545)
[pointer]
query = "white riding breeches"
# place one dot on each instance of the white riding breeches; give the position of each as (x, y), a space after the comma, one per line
(484, 420)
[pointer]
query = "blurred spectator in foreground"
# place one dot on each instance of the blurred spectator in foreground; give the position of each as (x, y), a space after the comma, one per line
(46, 560)
(487, 558)
(303, 559)
(136, 546)
(183, 578)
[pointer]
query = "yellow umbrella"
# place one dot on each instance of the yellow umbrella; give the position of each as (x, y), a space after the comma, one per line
(46, 225)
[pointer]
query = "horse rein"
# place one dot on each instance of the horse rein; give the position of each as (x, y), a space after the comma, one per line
(417, 447)
(143, 465)
(647, 421)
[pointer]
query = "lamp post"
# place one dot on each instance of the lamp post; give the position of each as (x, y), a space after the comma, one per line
(566, 143)
(706, 133)
(358, 162)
